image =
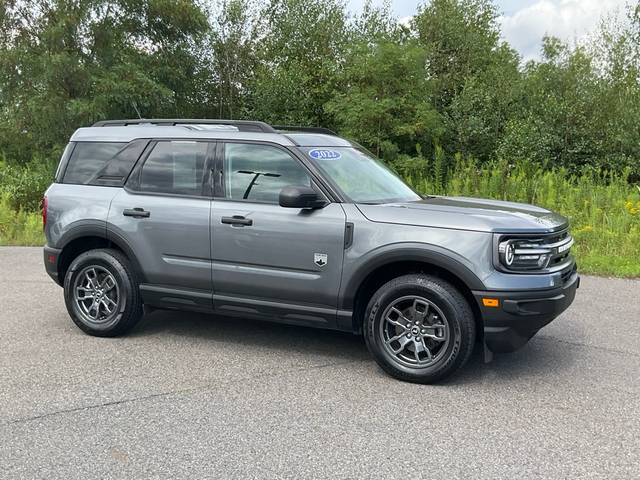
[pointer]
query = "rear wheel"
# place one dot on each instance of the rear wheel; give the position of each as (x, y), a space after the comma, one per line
(419, 328)
(101, 293)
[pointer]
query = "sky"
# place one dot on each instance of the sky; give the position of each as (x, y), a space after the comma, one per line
(525, 22)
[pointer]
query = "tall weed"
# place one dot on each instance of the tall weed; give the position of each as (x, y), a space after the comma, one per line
(19, 227)
(603, 208)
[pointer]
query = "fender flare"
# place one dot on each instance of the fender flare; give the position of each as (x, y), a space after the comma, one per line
(89, 228)
(440, 257)
(82, 228)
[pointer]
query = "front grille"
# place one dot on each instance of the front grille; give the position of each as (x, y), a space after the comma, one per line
(534, 254)
(560, 247)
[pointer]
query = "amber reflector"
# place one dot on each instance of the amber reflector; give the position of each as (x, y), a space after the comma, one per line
(491, 302)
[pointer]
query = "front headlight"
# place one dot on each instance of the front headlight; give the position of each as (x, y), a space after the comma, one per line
(522, 254)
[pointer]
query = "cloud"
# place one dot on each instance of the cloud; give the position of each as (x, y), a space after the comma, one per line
(570, 20)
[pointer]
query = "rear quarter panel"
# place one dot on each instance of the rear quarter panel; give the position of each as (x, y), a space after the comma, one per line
(72, 207)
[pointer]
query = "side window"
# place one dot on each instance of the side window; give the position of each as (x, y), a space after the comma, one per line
(116, 170)
(175, 167)
(259, 172)
(87, 159)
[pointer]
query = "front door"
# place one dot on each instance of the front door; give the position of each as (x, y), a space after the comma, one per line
(270, 261)
(163, 215)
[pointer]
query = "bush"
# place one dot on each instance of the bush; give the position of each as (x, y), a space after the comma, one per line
(604, 209)
(23, 187)
(19, 227)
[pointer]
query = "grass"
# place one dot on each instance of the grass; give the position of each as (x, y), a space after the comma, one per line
(19, 227)
(604, 210)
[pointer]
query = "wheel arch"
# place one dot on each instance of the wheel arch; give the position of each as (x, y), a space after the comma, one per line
(379, 269)
(88, 237)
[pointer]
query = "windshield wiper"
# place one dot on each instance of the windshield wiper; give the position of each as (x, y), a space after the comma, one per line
(254, 179)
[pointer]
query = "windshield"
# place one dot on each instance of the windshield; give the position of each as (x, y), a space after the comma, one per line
(361, 177)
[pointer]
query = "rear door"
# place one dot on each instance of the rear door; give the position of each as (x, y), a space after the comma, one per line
(281, 263)
(163, 215)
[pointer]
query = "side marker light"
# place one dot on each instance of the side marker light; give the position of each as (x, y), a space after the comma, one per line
(491, 302)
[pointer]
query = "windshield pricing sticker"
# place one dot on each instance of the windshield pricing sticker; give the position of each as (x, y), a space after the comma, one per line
(320, 154)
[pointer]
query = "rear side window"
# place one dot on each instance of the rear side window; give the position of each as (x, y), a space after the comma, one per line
(102, 163)
(88, 159)
(175, 167)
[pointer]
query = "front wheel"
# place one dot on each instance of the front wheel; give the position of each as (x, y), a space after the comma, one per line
(101, 293)
(419, 328)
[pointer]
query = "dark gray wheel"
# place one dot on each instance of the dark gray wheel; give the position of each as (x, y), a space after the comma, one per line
(415, 331)
(96, 295)
(419, 328)
(101, 293)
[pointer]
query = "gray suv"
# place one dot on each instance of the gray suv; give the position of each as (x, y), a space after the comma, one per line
(300, 226)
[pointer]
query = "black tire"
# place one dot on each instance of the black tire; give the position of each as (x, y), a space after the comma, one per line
(127, 306)
(444, 301)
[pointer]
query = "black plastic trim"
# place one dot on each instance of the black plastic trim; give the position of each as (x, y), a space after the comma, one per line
(83, 228)
(348, 235)
(275, 311)
(94, 228)
(404, 253)
(241, 125)
(173, 298)
(521, 314)
(294, 128)
(123, 244)
(52, 269)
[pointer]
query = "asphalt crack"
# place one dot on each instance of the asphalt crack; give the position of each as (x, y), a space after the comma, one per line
(182, 391)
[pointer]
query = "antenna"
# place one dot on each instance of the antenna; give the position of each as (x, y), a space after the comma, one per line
(135, 106)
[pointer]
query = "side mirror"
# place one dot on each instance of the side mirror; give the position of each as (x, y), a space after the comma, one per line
(300, 197)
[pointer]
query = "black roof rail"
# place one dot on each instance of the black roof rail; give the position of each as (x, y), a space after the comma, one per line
(293, 128)
(241, 125)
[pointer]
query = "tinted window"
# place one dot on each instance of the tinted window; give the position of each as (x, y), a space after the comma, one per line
(87, 159)
(175, 167)
(259, 172)
(116, 170)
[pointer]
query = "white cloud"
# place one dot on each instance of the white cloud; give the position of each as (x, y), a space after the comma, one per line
(406, 21)
(570, 20)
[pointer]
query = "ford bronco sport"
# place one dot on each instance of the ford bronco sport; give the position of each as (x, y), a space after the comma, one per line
(298, 226)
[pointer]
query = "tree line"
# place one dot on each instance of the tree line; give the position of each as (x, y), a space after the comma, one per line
(443, 84)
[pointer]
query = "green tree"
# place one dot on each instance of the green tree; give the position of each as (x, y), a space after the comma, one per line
(232, 56)
(301, 52)
(385, 99)
(475, 75)
(67, 63)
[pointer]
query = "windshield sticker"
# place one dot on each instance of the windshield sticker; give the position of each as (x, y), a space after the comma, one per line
(320, 154)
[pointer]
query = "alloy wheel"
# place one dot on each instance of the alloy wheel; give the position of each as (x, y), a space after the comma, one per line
(414, 331)
(96, 294)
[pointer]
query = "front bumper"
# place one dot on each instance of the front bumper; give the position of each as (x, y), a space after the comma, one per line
(51, 257)
(520, 315)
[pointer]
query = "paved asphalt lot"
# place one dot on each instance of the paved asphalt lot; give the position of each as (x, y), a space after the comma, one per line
(187, 395)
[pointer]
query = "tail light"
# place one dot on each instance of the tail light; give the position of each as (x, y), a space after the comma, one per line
(44, 205)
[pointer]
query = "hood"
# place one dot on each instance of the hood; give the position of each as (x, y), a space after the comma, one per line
(463, 213)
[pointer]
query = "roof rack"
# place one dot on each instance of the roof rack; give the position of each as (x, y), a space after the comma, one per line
(241, 125)
(293, 128)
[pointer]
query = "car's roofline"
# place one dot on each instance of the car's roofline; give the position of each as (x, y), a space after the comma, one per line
(129, 133)
(133, 132)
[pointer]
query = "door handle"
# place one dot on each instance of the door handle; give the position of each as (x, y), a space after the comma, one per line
(136, 212)
(238, 220)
